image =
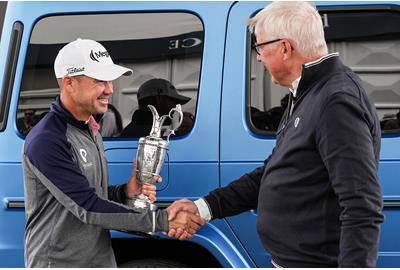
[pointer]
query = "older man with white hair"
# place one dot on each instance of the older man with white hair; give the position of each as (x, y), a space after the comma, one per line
(318, 198)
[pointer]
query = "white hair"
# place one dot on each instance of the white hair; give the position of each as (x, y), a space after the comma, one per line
(297, 21)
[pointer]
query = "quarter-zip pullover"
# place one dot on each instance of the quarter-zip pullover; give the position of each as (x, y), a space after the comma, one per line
(317, 196)
(69, 206)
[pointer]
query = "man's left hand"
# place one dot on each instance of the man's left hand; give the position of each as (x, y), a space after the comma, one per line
(134, 188)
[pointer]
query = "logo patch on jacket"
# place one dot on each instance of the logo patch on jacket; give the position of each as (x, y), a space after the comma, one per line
(85, 162)
(83, 154)
(296, 122)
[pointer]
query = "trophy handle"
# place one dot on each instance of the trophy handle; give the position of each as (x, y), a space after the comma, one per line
(157, 122)
(178, 109)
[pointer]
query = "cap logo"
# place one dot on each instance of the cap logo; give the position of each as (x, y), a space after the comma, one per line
(96, 55)
(74, 70)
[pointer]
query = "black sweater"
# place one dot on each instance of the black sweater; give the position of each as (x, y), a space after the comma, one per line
(317, 196)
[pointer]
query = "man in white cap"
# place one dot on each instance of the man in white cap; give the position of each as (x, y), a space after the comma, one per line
(69, 206)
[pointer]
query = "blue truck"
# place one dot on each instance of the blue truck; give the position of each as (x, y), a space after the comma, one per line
(204, 49)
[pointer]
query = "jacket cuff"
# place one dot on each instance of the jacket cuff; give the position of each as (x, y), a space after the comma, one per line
(204, 209)
(162, 224)
(123, 193)
(212, 204)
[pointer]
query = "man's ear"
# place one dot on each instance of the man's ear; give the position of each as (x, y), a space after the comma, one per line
(287, 50)
(67, 83)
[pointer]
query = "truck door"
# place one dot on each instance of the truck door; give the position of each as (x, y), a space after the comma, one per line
(368, 41)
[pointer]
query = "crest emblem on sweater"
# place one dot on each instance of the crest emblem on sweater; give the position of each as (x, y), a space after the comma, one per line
(83, 154)
(296, 122)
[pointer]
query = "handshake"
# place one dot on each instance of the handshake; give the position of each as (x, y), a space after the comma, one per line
(184, 219)
(183, 215)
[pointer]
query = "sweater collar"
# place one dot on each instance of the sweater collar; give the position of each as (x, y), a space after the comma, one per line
(58, 109)
(315, 70)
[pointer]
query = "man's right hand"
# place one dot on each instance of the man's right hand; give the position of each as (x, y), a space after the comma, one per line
(182, 205)
(184, 219)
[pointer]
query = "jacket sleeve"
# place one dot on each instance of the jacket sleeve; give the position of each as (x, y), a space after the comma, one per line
(239, 196)
(346, 144)
(117, 193)
(50, 161)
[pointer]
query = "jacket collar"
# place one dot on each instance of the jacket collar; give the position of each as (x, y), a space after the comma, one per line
(58, 109)
(314, 71)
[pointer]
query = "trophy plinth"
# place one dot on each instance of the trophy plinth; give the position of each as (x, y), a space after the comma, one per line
(151, 153)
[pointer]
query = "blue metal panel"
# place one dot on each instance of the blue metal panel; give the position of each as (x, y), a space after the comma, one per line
(390, 242)
(241, 150)
(12, 219)
(388, 174)
(389, 251)
(218, 238)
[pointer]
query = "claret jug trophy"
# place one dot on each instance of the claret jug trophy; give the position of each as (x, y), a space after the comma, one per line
(151, 152)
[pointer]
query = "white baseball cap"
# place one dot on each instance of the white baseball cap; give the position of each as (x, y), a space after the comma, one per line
(87, 57)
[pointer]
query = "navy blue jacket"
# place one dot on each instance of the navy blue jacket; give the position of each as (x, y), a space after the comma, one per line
(317, 196)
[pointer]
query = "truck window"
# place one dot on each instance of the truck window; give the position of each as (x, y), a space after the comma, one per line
(165, 46)
(368, 41)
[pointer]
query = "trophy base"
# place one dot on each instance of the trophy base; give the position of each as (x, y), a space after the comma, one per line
(141, 202)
